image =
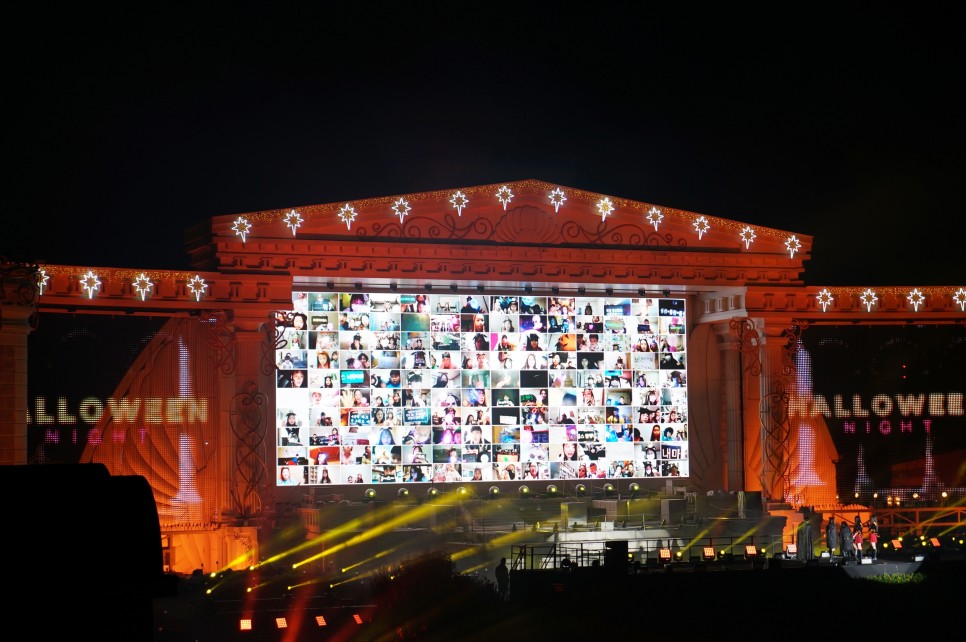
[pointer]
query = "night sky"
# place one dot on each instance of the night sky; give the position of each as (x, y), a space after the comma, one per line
(124, 129)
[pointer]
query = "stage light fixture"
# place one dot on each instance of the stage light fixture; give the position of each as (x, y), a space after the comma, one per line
(320, 621)
(666, 292)
(750, 550)
(393, 286)
(634, 488)
(452, 287)
(609, 290)
(494, 491)
(528, 288)
(281, 623)
(462, 492)
(432, 492)
(580, 489)
(245, 624)
(791, 550)
(640, 291)
(551, 490)
(708, 553)
(480, 288)
(358, 287)
(524, 490)
(555, 289)
(370, 493)
(581, 290)
(608, 488)
(664, 554)
(403, 492)
(428, 287)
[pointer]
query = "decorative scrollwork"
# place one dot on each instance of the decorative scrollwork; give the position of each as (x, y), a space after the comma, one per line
(269, 346)
(749, 342)
(221, 339)
(246, 419)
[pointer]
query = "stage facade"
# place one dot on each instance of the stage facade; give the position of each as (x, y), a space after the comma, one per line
(804, 395)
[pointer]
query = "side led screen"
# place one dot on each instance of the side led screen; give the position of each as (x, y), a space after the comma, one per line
(883, 408)
(404, 388)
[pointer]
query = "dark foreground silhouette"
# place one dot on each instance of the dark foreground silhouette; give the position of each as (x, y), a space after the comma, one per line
(426, 599)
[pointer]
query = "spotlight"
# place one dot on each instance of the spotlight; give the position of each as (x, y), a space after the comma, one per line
(479, 288)
(640, 291)
(666, 292)
(609, 290)
(494, 491)
(791, 550)
(750, 551)
(432, 492)
(452, 287)
(581, 490)
(528, 288)
(403, 492)
(551, 490)
(634, 488)
(707, 553)
(358, 286)
(429, 287)
(524, 490)
(555, 289)
(370, 493)
(393, 286)
(581, 290)
(608, 488)
(664, 554)
(462, 492)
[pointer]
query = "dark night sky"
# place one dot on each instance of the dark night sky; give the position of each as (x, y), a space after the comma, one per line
(128, 128)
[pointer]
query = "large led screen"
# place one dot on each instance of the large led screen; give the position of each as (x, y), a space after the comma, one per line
(406, 388)
(890, 400)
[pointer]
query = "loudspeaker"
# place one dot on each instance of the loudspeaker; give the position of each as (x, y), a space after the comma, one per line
(615, 555)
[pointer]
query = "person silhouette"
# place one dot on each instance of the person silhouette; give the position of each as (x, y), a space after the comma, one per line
(502, 579)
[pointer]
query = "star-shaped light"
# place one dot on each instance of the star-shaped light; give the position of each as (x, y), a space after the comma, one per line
(960, 299)
(868, 299)
(825, 299)
(748, 236)
(654, 217)
(42, 279)
(916, 298)
(459, 201)
(90, 283)
(505, 195)
(557, 198)
(242, 227)
(294, 220)
(605, 207)
(401, 208)
(348, 214)
(197, 286)
(143, 285)
(793, 245)
(701, 225)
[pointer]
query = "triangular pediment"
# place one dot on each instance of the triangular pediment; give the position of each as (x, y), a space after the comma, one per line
(528, 211)
(581, 235)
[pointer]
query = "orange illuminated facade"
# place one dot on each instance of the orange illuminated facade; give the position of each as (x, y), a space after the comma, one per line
(195, 412)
